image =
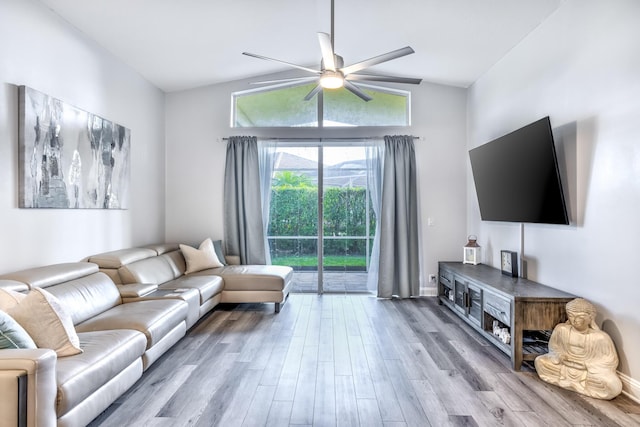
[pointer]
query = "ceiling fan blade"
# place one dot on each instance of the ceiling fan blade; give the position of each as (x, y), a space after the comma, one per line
(310, 70)
(292, 80)
(356, 91)
(328, 58)
(377, 60)
(379, 78)
(313, 93)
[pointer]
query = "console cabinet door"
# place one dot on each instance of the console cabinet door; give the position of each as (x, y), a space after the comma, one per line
(474, 301)
(468, 299)
(460, 289)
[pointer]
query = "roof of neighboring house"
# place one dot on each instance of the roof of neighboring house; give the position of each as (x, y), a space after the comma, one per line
(350, 173)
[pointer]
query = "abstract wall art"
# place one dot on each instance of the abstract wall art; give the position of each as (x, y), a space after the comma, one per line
(69, 158)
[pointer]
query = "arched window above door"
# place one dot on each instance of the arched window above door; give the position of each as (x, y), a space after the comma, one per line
(284, 106)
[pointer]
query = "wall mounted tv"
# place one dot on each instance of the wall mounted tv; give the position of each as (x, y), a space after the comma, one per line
(517, 177)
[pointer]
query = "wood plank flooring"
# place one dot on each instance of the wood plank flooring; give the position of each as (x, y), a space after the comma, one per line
(347, 360)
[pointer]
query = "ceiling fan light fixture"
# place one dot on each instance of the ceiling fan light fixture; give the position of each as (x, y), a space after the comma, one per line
(334, 75)
(331, 79)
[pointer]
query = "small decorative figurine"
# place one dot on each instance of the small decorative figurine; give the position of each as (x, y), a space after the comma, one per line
(581, 357)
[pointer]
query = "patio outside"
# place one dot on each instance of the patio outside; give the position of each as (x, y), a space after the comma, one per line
(333, 281)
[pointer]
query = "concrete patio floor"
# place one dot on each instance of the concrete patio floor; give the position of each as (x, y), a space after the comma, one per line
(334, 282)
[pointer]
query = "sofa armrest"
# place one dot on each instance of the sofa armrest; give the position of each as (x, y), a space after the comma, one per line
(13, 389)
(136, 290)
(39, 365)
(232, 259)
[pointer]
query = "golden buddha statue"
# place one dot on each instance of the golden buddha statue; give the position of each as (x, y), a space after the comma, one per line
(581, 357)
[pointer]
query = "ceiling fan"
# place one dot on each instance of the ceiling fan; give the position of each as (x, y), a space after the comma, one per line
(333, 74)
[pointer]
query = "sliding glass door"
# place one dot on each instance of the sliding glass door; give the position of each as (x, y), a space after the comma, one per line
(321, 222)
(347, 219)
(293, 214)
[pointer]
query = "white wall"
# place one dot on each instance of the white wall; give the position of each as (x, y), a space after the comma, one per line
(198, 119)
(582, 68)
(41, 51)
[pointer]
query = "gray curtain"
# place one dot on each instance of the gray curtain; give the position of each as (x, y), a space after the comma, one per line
(375, 162)
(243, 227)
(399, 273)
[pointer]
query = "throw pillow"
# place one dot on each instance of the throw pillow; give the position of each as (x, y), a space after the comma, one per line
(12, 335)
(47, 322)
(200, 259)
(9, 298)
(217, 246)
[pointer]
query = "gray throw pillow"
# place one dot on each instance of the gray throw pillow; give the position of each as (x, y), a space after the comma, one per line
(217, 246)
(12, 335)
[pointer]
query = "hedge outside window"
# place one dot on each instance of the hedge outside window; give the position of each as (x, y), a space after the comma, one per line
(294, 213)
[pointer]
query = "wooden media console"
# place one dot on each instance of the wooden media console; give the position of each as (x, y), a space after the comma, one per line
(483, 297)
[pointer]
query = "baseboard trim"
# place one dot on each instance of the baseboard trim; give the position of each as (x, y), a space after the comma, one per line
(630, 387)
(430, 291)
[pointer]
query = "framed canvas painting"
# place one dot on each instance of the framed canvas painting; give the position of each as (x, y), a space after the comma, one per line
(69, 158)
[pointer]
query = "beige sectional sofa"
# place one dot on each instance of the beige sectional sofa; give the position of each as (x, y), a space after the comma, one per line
(164, 265)
(128, 307)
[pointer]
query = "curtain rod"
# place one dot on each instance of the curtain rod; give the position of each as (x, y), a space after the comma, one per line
(361, 138)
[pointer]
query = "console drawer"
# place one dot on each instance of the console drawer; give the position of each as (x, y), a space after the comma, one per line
(498, 307)
(446, 278)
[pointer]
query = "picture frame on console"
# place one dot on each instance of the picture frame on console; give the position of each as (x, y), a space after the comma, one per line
(509, 263)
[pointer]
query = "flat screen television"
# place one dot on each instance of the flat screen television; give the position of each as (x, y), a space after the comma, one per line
(517, 177)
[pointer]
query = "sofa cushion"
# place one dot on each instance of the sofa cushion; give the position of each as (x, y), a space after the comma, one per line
(154, 318)
(47, 322)
(252, 277)
(154, 270)
(200, 259)
(80, 287)
(106, 353)
(176, 261)
(163, 248)
(50, 275)
(13, 285)
(87, 296)
(12, 335)
(207, 286)
(116, 259)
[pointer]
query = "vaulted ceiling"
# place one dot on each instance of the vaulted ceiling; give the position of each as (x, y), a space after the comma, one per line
(182, 44)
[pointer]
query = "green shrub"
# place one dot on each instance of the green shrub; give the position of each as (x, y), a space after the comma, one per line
(294, 212)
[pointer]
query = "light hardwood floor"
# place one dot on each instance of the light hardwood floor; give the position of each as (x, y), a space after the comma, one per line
(347, 360)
